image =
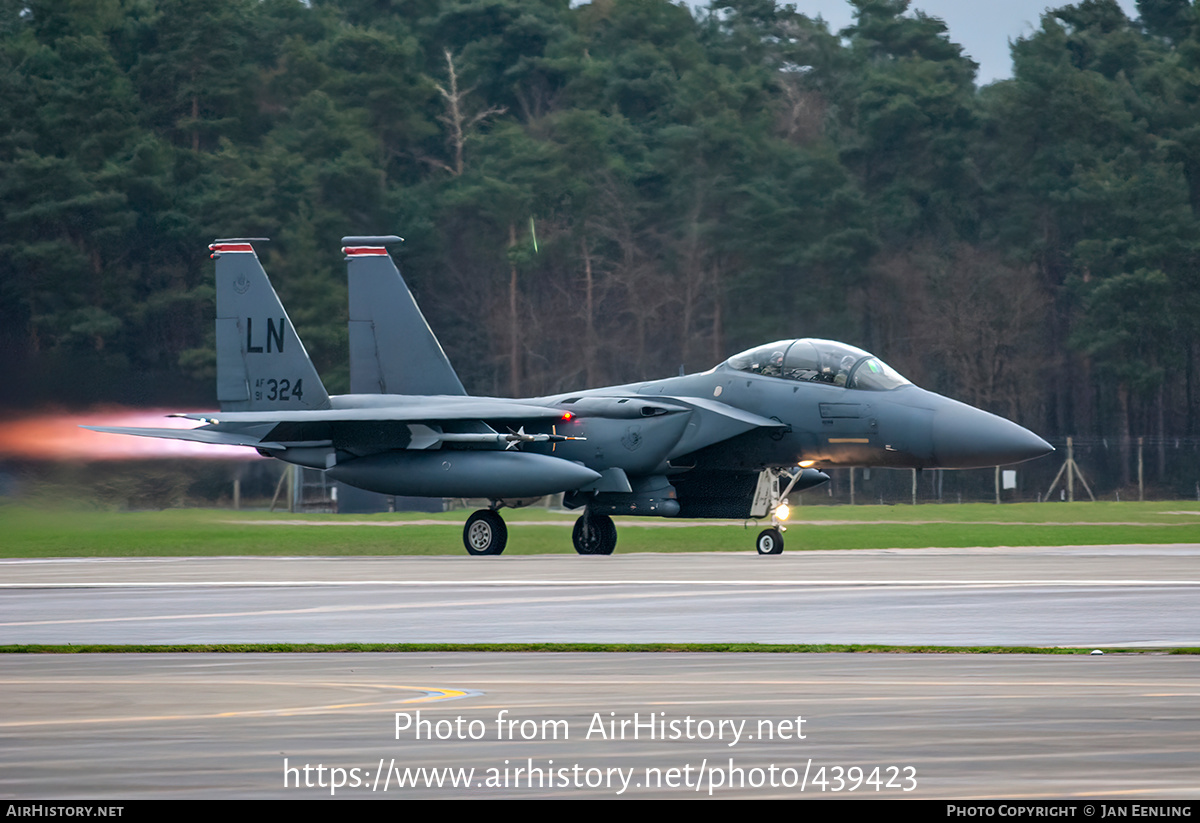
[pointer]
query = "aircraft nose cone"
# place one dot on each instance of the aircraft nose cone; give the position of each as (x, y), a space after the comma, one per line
(965, 437)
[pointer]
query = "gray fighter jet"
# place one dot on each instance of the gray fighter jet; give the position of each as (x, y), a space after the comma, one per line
(731, 442)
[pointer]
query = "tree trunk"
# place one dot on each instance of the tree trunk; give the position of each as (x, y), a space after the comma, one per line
(514, 351)
(589, 338)
(1123, 428)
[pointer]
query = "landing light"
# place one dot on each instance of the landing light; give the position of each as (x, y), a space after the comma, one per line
(782, 511)
(807, 464)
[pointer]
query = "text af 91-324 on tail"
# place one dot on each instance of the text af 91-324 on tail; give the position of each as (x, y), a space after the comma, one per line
(731, 442)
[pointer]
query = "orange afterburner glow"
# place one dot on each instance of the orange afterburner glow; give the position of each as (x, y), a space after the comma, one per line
(57, 436)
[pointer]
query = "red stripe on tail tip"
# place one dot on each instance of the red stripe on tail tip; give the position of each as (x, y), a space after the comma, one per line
(222, 248)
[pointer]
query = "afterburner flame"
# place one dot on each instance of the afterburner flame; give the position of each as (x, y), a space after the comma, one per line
(57, 436)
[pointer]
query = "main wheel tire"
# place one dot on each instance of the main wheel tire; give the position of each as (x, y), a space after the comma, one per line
(610, 528)
(594, 534)
(770, 541)
(485, 533)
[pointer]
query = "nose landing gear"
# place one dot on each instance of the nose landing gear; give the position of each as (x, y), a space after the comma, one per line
(770, 541)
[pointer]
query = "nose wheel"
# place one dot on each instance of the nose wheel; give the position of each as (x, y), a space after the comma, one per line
(594, 534)
(485, 533)
(770, 541)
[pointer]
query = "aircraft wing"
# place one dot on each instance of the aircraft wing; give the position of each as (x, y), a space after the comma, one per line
(477, 409)
(710, 422)
(369, 424)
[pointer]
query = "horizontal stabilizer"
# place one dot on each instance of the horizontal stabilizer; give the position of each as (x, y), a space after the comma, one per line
(200, 435)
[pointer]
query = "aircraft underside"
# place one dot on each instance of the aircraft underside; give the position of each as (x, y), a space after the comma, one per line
(724, 495)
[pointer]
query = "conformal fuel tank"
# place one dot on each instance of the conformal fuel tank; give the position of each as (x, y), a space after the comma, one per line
(450, 473)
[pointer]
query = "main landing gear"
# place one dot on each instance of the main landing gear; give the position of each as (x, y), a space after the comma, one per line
(485, 533)
(594, 534)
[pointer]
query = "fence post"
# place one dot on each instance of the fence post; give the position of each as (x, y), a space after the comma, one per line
(1070, 470)
(1141, 487)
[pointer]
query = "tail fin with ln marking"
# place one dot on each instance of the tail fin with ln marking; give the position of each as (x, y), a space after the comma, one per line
(392, 348)
(261, 363)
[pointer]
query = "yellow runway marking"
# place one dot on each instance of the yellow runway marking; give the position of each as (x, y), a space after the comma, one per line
(426, 694)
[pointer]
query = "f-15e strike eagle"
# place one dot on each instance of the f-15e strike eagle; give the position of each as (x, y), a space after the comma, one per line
(731, 442)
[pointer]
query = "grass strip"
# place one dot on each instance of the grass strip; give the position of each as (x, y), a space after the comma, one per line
(622, 648)
(31, 532)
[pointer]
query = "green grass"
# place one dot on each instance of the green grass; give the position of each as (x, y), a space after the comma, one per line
(65, 531)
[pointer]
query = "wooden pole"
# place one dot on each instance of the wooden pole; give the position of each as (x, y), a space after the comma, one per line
(1141, 486)
(279, 486)
(1070, 470)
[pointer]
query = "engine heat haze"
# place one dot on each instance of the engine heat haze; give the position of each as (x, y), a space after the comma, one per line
(56, 435)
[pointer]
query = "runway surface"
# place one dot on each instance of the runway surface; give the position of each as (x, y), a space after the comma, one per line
(324, 726)
(117, 727)
(1142, 596)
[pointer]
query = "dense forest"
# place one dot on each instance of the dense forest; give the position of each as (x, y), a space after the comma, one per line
(611, 191)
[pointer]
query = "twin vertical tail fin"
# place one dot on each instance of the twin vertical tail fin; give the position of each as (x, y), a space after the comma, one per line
(392, 348)
(261, 363)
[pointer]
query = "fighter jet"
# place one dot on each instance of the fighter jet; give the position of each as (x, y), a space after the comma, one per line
(731, 442)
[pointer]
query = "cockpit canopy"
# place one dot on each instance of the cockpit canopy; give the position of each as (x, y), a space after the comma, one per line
(819, 361)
